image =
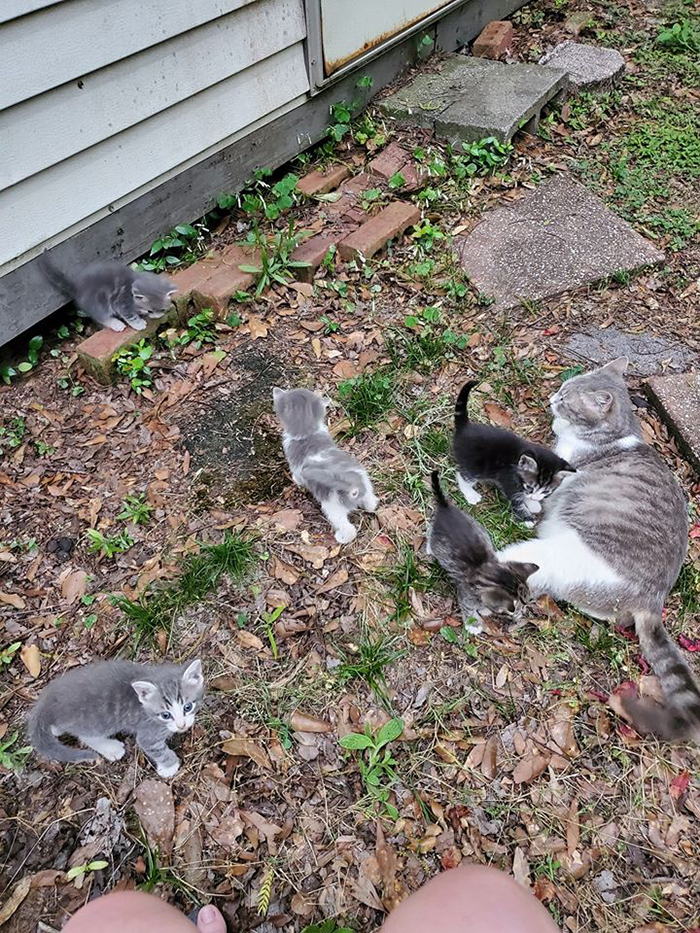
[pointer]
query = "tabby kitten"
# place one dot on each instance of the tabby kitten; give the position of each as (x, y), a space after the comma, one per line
(99, 700)
(613, 537)
(464, 550)
(112, 293)
(525, 472)
(334, 478)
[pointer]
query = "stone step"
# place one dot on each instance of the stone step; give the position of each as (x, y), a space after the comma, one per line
(677, 399)
(587, 66)
(471, 98)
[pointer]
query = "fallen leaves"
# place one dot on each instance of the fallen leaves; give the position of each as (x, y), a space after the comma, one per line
(12, 599)
(31, 658)
(244, 747)
(498, 415)
(73, 586)
(301, 722)
(155, 808)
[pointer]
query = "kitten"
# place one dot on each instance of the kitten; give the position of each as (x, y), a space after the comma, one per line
(334, 478)
(525, 472)
(464, 550)
(112, 293)
(99, 700)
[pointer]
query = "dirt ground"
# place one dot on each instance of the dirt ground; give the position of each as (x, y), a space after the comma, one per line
(510, 753)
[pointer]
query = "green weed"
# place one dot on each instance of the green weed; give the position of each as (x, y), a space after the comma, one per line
(109, 547)
(7, 654)
(260, 198)
(132, 363)
(85, 868)
(497, 518)
(687, 589)
(368, 397)
(182, 246)
(136, 509)
(423, 343)
(408, 574)
(8, 372)
(276, 263)
(368, 661)
(12, 434)
(13, 758)
(327, 926)
(376, 763)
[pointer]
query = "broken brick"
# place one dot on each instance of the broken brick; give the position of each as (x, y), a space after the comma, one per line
(97, 351)
(320, 181)
(225, 279)
(313, 251)
(350, 193)
(389, 161)
(494, 39)
(376, 232)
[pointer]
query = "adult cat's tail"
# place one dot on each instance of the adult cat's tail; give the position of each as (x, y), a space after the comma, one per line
(680, 718)
(461, 415)
(437, 489)
(57, 278)
(47, 745)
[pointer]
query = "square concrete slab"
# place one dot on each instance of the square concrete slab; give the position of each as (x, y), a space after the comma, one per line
(677, 399)
(471, 98)
(557, 237)
(647, 353)
(586, 65)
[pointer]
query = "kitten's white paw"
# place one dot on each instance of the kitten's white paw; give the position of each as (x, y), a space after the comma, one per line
(370, 502)
(528, 522)
(534, 505)
(468, 491)
(476, 629)
(167, 771)
(138, 324)
(112, 749)
(346, 534)
(115, 324)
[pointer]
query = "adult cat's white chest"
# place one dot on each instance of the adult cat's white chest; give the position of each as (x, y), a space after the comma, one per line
(568, 445)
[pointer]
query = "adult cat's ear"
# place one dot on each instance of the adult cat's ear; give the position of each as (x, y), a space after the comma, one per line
(618, 366)
(603, 400)
(193, 674)
(145, 690)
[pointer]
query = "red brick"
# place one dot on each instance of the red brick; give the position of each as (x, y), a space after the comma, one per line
(350, 194)
(322, 181)
(313, 251)
(389, 161)
(494, 39)
(377, 231)
(97, 352)
(225, 279)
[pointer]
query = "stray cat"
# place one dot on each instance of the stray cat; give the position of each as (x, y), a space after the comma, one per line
(112, 293)
(525, 472)
(464, 550)
(613, 538)
(99, 700)
(337, 481)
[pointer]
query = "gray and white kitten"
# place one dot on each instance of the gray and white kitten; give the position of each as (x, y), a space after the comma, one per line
(112, 293)
(614, 536)
(99, 700)
(337, 481)
(464, 550)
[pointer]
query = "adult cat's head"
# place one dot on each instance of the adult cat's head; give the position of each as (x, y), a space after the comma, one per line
(172, 696)
(596, 405)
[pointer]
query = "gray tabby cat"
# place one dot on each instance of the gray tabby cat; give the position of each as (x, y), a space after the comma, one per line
(614, 535)
(337, 481)
(464, 550)
(112, 293)
(99, 700)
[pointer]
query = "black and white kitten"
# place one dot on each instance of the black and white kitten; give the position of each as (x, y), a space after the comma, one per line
(464, 550)
(112, 293)
(337, 481)
(99, 700)
(524, 471)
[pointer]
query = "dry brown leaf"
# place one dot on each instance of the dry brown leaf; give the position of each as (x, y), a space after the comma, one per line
(19, 892)
(284, 572)
(345, 369)
(31, 659)
(573, 834)
(268, 829)
(248, 640)
(335, 579)
(314, 554)
(243, 747)
(303, 288)
(257, 328)
(155, 808)
(7, 557)
(228, 831)
(501, 677)
(488, 762)
(562, 730)
(211, 360)
(521, 868)
(287, 519)
(12, 599)
(316, 347)
(301, 722)
(498, 415)
(529, 767)
(73, 586)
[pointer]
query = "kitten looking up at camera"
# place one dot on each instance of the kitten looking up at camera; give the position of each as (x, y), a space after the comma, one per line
(337, 481)
(112, 293)
(464, 550)
(525, 472)
(94, 702)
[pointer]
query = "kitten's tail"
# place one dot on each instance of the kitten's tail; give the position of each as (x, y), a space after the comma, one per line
(680, 718)
(437, 489)
(461, 415)
(45, 743)
(57, 278)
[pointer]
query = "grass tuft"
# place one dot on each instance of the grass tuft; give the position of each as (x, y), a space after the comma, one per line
(367, 398)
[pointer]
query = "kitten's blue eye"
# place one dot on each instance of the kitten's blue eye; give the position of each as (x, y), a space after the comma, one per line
(188, 707)
(165, 715)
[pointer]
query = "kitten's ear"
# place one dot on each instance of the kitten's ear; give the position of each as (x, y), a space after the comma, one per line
(527, 464)
(277, 394)
(145, 690)
(566, 468)
(618, 366)
(603, 401)
(524, 570)
(193, 674)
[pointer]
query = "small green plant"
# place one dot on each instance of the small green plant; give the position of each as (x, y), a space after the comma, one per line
(8, 372)
(423, 343)
(276, 263)
(368, 397)
(328, 262)
(268, 620)
(460, 638)
(132, 363)
(109, 547)
(397, 180)
(263, 198)
(327, 926)
(371, 197)
(483, 157)
(43, 449)
(407, 574)
(200, 329)
(7, 654)
(12, 434)
(426, 235)
(377, 764)
(330, 326)
(368, 661)
(68, 384)
(77, 870)
(136, 509)
(181, 246)
(688, 589)
(680, 37)
(13, 758)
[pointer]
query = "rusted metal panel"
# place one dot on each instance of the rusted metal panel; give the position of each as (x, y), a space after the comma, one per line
(350, 30)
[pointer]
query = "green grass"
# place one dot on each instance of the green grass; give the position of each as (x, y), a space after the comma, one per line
(156, 609)
(687, 589)
(409, 573)
(367, 398)
(496, 515)
(374, 653)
